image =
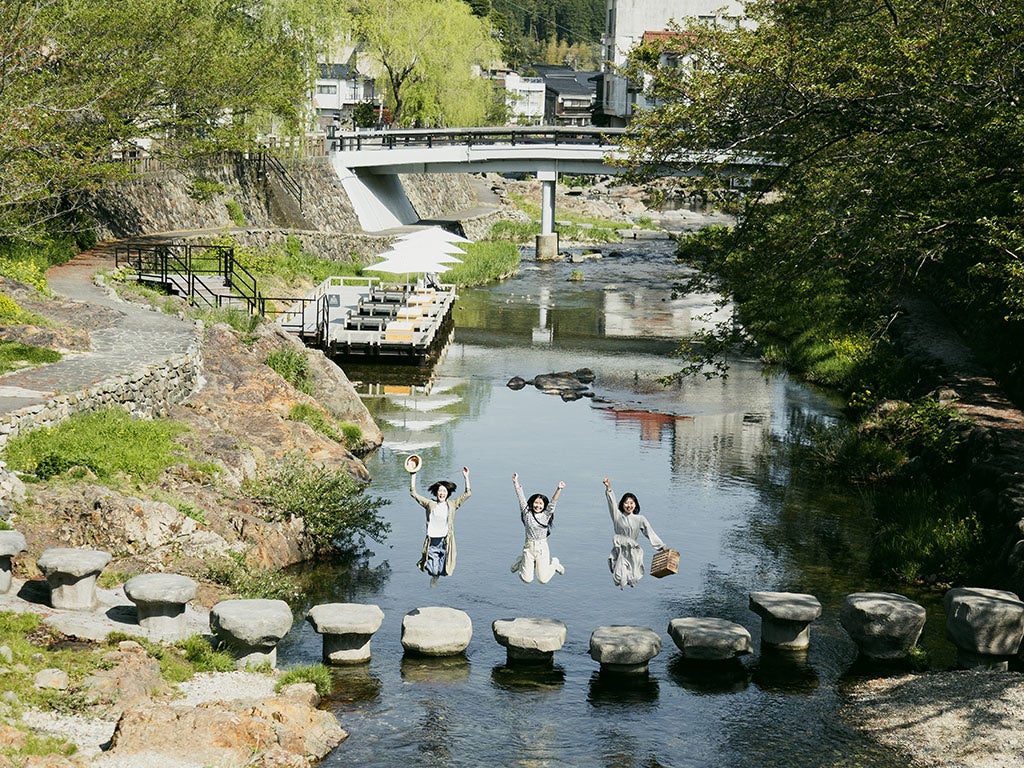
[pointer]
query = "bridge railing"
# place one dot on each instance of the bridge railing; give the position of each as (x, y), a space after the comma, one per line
(441, 137)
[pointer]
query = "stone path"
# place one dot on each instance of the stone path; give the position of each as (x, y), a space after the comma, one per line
(137, 338)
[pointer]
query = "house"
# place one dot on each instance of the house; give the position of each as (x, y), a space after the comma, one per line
(626, 24)
(525, 97)
(339, 87)
(569, 96)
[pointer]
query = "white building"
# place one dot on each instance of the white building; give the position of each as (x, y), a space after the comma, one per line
(525, 97)
(625, 24)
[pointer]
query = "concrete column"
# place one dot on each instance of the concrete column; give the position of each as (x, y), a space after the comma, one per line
(547, 240)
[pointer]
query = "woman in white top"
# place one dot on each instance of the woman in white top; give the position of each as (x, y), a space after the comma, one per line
(626, 560)
(438, 556)
(538, 515)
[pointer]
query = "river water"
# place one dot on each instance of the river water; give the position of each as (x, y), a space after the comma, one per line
(702, 458)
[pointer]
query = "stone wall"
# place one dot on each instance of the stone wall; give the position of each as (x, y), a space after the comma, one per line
(148, 393)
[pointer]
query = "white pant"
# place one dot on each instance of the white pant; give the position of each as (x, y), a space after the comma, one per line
(536, 557)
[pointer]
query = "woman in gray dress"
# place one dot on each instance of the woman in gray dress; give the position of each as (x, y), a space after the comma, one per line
(626, 560)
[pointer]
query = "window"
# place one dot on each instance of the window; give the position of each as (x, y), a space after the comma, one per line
(331, 89)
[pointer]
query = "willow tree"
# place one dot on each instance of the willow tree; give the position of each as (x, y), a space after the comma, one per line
(431, 53)
(80, 79)
(891, 135)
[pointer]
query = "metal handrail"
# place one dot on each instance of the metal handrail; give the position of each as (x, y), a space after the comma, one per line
(514, 135)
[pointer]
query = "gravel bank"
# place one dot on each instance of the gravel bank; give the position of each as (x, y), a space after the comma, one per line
(945, 719)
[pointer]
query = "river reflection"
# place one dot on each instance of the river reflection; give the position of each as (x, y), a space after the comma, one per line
(700, 455)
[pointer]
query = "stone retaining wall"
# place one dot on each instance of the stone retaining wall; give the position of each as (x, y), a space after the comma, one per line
(149, 393)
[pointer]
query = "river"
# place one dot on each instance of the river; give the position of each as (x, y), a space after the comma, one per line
(702, 457)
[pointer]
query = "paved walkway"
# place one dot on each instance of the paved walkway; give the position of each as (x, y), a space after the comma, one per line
(138, 338)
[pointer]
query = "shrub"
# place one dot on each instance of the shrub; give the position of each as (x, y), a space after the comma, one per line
(233, 572)
(203, 190)
(110, 443)
(240, 320)
(337, 512)
(28, 272)
(293, 366)
(235, 212)
(12, 313)
(484, 262)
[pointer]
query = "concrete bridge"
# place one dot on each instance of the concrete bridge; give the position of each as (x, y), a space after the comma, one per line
(369, 164)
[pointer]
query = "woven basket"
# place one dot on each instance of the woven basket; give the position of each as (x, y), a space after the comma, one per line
(664, 562)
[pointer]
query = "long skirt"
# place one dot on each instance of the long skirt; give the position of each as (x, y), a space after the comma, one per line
(536, 558)
(626, 561)
(437, 555)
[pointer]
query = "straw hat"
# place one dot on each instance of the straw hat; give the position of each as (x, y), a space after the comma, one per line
(413, 463)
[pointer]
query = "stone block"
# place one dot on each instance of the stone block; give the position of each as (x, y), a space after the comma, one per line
(624, 649)
(11, 544)
(251, 629)
(436, 631)
(72, 574)
(529, 639)
(882, 624)
(785, 617)
(347, 629)
(985, 625)
(160, 600)
(709, 639)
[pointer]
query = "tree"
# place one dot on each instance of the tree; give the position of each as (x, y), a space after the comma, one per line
(892, 135)
(431, 52)
(81, 78)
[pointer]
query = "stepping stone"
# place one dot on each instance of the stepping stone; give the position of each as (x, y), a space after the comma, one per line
(985, 625)
(160, 600)
(347, 629)
(436, 631)
(624, 649)
(533, 640)
(785, 618)
(882, 624)
(251, 629)
(11, 544)
(72, 574)
(709, 639)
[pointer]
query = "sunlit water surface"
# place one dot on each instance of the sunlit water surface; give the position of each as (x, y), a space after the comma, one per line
(700, 458)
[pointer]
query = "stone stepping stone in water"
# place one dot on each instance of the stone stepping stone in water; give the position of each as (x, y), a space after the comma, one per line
(624, 649)
(529, 639)
(436, 631)
(884, 625)
(785, 618)
(347, 629)
(709, 639)
(160, 600)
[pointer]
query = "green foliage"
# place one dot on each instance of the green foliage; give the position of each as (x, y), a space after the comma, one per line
(204, 190)
(889, 131)
(235, 212)
(337, 512)
(245, 581)
(12, 313)
(576, 276)
(202, 657)
(15, 355)
(110, 443)
(293, 366)
(427, 51)
(484, 262)
(514, 231)
(317, 674)
(28, 272)
(240, 320)
(315, 418)
(364, 114)
(287, 265)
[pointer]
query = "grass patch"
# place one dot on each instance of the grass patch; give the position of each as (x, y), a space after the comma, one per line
(235, 212)
(337, 512)
(240, 320)
(111, 444)
(483, 262)
(317, 674)
(292, 366)
(14, 355)
(12, 313)
(313, 417)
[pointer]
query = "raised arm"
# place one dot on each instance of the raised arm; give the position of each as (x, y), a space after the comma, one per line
(612, 508)
(519, 491)
(421, 500)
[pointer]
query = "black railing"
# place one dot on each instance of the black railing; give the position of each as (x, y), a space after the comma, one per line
(268, 163)
(442, 137)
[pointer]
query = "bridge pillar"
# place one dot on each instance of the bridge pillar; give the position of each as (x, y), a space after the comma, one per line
(547, 240)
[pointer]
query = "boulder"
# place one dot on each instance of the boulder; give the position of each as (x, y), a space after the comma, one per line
(882, 624)
(436, 631)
